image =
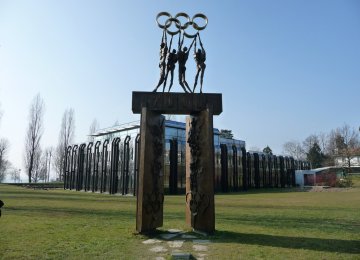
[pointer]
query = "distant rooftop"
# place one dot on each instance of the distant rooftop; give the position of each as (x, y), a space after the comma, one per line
(136, 125)
(117, 128)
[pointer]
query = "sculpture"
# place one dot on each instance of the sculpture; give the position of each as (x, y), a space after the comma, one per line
(172, 58)
(200, 58)
(183, 56)
(169, 58)
(162, 63)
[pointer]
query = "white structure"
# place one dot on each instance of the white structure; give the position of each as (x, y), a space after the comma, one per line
(342, 161)
(300, 174)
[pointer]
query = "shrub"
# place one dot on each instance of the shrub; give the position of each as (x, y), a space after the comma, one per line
(344, 182)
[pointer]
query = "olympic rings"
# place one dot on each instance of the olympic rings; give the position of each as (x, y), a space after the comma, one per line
(162, 26)
(168, 24)
(197, 27)
(186, 17)
(189, 22)
(189, 35)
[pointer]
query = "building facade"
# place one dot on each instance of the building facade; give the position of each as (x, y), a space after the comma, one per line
(110, 163)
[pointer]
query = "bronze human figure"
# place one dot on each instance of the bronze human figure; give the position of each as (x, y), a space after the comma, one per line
(162, 63)
(200, 58)
(172, 58)
(183, 56)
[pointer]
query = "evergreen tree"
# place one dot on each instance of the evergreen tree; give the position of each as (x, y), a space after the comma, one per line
(315, 156)
(267, 150)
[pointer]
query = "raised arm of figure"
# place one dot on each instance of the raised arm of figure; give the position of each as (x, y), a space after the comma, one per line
(192, 45)
(195, 45)
(202, 47)
(170, 43)
(181, 42)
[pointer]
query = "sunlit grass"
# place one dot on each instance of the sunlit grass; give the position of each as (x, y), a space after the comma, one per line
(272, 225)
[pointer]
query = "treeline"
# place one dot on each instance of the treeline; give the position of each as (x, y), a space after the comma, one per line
(4, 149)
(38, 160)
(339, 147)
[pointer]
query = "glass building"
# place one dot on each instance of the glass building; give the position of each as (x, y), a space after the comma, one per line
(109, 163)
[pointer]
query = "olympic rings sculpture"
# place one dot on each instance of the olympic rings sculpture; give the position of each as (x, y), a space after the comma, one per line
(179, 26)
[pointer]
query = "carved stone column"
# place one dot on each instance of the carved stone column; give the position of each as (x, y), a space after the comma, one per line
(150, 195)
(200, 170)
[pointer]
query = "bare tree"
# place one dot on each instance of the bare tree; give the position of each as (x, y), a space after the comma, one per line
(49, 154)
(309, 142)
(33, 136)
(1, 113)
(345, 144)
(37, 173)
(4, 163)
(294, 149)
(15, 174)
(66, 137)
(40, 174)
(323, 142)
(93, 128)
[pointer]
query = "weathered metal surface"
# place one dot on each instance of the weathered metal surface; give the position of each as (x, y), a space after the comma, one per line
(200, 172)
(150, 197)
(176, 103)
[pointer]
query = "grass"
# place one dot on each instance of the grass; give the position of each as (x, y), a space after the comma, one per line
(267, 224)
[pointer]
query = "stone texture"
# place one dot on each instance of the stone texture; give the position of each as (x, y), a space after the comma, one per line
(168, 236)
(173, 230)
(201, 241)
(176, 243)
(158, 249)
(150, 196)
(151, 241)
(200, 248)
(176, 103)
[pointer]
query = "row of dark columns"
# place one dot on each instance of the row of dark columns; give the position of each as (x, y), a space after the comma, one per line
(95, 168)
(252, 169)
(258, 170)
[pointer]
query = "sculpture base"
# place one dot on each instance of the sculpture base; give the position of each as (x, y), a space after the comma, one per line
(200, 206)
(176, 103)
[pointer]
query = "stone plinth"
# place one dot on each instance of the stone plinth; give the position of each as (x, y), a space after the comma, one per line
(176, 103)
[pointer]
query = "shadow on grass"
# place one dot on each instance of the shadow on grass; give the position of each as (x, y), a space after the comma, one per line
(316, 244)
(261, 191)
(284, 222)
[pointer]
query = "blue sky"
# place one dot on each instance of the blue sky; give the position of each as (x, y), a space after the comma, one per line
(287, 69)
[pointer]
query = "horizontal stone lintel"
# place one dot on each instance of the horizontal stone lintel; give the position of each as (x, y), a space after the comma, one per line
(176, 103)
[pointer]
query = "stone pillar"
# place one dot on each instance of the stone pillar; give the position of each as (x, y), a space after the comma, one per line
(200, 170)
(150, 197)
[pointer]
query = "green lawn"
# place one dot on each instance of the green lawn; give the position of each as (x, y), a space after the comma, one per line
(275, 224)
